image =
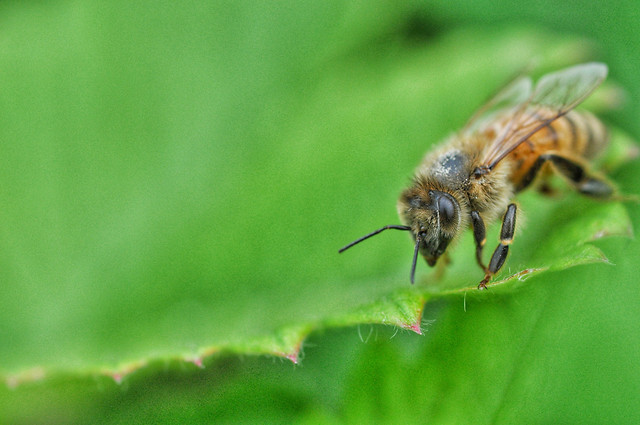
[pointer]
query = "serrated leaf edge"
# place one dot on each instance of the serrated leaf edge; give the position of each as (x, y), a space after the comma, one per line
(287, 342)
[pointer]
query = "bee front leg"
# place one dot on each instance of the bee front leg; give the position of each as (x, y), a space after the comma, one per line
(441, 266)
(500, 254)
(480, 236)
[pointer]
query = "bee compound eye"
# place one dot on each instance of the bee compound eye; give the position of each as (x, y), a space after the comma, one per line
(446, 209)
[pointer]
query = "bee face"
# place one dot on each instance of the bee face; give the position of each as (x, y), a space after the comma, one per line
(434, 218)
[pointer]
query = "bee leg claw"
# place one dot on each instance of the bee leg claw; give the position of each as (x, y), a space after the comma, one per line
(500, 254)
(483, 285)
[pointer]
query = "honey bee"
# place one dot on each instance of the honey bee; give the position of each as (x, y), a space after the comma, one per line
(522, 135)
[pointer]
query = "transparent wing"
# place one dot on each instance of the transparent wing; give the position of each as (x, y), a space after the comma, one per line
(554, 96)
(516, 92)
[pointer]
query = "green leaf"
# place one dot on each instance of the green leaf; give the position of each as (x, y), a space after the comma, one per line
(176, 183)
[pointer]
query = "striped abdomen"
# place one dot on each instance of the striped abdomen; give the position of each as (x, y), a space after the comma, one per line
(578, 136)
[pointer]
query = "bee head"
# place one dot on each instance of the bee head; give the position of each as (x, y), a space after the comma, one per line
(434, 218)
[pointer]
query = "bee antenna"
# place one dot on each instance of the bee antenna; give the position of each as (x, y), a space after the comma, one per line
(357, 241)
(415, 260)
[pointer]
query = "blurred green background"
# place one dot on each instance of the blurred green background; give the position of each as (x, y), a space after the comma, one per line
(177, 177)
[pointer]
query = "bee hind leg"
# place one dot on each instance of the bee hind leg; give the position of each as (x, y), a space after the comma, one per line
(500, 254)
(595, 188)
(584, 182)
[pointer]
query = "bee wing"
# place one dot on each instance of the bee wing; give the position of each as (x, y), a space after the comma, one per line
(555, 95)
(516, 92)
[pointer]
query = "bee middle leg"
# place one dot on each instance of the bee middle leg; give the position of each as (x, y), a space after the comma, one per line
(500, 254)
(545, 188)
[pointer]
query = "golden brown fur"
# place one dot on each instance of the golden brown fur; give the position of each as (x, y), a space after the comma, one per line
(577, 135)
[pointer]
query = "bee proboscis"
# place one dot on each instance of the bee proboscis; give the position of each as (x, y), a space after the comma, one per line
(522, 135)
